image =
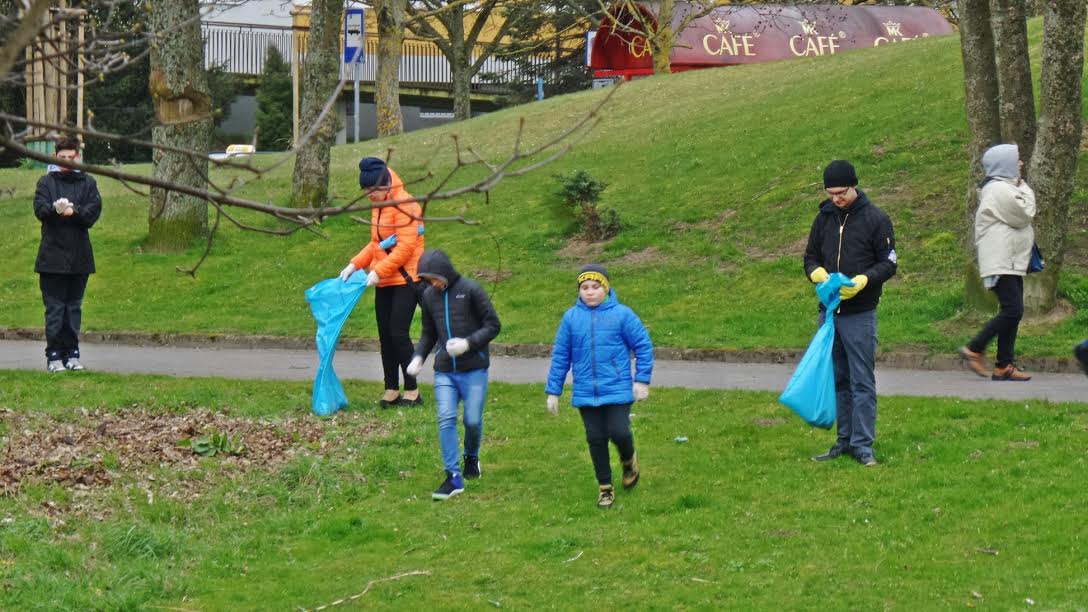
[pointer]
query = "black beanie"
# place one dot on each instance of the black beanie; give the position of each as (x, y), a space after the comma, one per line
(840, 173)
(373, 173)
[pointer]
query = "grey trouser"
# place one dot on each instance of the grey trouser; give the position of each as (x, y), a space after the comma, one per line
(854, 356)
(62, 295)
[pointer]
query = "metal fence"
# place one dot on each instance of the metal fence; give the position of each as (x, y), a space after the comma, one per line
(241, 49)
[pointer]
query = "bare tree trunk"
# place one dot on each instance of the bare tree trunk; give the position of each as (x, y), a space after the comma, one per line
(1057, 147)
(390, 14)
(462, 92)
(983, 122)
(460, 58)
(661, 41)
(1017, 109)
(321, 74)
(179, 92)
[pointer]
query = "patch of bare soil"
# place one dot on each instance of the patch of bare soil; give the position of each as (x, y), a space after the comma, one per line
(491, 276)
(795, 249)
(1062, 311)
(99, 448)
(650, 255)
(581, 250)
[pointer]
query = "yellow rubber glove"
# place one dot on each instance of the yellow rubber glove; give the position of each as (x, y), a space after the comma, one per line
(859, 283)
(819, 275)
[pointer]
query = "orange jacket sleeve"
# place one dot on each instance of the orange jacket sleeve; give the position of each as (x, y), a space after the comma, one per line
(365, 256)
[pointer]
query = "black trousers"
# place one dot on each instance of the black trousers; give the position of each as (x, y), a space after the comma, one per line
(604, 423)
(1010, 294)
(395, 308)
(62, 295)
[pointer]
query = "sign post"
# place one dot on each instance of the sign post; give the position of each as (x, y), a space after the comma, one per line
(355, 49)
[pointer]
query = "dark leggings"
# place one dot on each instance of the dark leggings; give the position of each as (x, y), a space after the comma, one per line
(395, 308)
(1010, 294)
(62, 295)
(604, 423)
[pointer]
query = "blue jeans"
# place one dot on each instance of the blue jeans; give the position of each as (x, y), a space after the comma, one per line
(854, 356)
(469, 388)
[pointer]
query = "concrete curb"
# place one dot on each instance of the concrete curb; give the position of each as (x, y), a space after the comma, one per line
(898, 360)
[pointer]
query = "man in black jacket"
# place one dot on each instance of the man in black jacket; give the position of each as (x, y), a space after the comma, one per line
(67, 203)
(852, 236)
(457, 317)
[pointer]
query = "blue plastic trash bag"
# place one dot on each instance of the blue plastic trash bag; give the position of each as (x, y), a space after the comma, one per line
(811, 390)
(331, 301)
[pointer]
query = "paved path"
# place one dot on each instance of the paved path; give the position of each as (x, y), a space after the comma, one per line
(300, 365)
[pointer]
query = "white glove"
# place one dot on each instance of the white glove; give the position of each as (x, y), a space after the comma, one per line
(61, 204)
(456, 347)
(372, 278)
(414, 367)
(346, 273)
(553, 405)
(641, 391)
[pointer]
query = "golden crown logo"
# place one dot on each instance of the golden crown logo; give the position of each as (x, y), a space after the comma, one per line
(892, 28)
(809, 27)
(721, 24)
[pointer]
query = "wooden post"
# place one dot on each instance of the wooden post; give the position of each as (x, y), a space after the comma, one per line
(79, 74)
(295, 53)
(60, 68)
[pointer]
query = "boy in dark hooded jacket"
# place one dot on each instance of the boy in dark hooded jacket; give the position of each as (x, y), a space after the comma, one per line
(457, 317)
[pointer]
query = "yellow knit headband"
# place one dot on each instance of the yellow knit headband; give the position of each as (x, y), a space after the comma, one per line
(594, 275)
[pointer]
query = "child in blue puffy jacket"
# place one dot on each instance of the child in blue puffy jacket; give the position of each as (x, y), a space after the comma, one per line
(595, 340)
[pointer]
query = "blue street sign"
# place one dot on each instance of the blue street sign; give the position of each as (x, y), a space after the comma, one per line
(354, 35)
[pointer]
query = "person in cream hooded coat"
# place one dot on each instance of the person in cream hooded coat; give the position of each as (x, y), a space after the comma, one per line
(1004, 238)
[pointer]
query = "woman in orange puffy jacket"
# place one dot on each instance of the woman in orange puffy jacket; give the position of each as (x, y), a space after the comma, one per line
(393, 270)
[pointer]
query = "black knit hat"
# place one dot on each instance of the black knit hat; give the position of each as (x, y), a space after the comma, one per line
(595, 272)
(840, 173)
(373, 173)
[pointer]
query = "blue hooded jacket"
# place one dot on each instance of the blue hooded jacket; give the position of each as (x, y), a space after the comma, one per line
(595, 344)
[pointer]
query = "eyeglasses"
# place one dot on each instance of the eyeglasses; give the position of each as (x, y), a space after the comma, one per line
(838, 194)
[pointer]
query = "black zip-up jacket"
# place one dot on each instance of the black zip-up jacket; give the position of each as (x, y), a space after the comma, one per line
(462, 310)
(855, 240)
(66, 246)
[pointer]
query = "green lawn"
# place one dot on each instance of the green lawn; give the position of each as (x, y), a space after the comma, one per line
(714, 174)
(977, 504)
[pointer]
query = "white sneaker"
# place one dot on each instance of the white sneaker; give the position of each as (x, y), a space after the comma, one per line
(55, 366)
(73, 364)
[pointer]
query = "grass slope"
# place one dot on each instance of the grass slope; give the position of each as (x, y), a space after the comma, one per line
(976, 503)
(714, 175)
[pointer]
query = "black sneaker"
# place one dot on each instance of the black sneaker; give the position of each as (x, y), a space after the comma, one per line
(472, 467)
(835, 452)
(866, 459)
(452, 485)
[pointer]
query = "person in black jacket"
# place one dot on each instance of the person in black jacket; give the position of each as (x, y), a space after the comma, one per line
(67, 203)
(1081, 353)
(457, 317)
(852, 236)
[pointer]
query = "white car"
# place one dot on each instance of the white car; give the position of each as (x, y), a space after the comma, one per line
(233, 151)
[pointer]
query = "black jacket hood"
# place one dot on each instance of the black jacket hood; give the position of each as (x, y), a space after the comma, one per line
(436, 264)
